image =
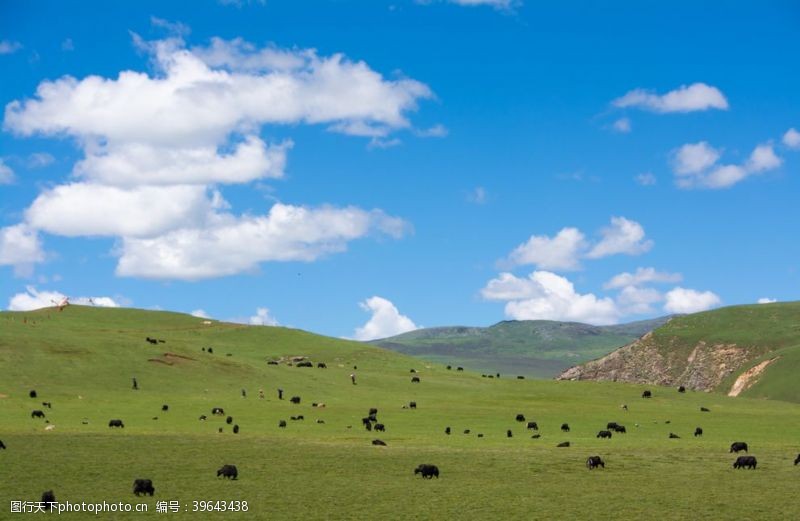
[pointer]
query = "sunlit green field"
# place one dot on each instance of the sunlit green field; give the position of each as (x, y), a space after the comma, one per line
(82, 360)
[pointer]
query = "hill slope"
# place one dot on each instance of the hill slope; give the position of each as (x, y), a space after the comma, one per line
(742, 350)
(82, 360)
(540, 348)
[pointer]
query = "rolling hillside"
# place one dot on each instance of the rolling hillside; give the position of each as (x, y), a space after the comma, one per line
(82, 361)
(741, 350)
(539, 348)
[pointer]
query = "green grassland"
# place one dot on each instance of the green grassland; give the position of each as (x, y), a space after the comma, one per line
(538, 348)
(82, 360)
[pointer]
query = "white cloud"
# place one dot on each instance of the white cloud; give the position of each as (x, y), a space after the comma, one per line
(640, 277)
(152, 185)
(199, 313)
(765, 300)
(497, 4)
(437, 130)
(176, 28)
(694, 97)
(792, 139)
(637, 301)
(33, 299)
(68, 45)
(229, 244)
(694, 158)
(561, 252)
(693, 164)
(623, 236)
(6, 173)
(262, 318)
(622, 125)
(682, 300)
(83, 209)
(646, 179)
(477, 196)
(40, 160)
(9, 47)
(385, 321)
(547, 296)
(137, 163)
(20, 247)
(564, 251)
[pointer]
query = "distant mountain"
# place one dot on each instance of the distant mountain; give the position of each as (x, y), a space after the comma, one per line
(540, 348)
(749, 350)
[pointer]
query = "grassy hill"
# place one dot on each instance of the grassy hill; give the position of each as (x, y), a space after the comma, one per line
(539, 348)
(711, 350)
(82, 361)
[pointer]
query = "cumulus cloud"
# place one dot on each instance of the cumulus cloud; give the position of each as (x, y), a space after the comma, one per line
(199, 313)
(637, 301)
(622, 125)
(385, 321)
(623, 236)
(33, 299)
(765, 300)
(6, 173)
(694, 97)
(437, 130)
(154, 186)
(229, 244)
(646, 179)
(561, 252)
(682, 300)
(497, 4)
(695, 166)
(546, 296)
(9, 47)
(792, 139)
(21, 248)
(564, 251)
(262, 318)
(642, 276)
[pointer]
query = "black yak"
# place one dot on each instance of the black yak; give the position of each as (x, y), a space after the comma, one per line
(427, 471)
(143, 486)
(228, 471)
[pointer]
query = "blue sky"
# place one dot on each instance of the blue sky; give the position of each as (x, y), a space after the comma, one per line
(363, 168)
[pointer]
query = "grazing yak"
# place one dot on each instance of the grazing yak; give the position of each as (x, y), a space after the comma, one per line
(32, 394)
(116, 423)
(480, 435)
(459, 368)
(594, 462)
(611, 425)
(565, 427)
(218, 411)
(604, 434)
(3, 447)
(412, 405)
(304, 364)
(49, 499)
(282, 424)
(681, 389)
(705, 409)
(165, 407)
(295, 400)
(674, 436)
(520, 378)
(447, 431)
(380, 427)
(379, 443)
(466, 431)
(738, 446)
(413, 370)
(647, 394)
(203, 417)
(796, 460)
(228, 471)
(509, 434)
(745, 462)
(151, 340)
(236, 429)
(536, 436)
(532, 426)
(143, 486)
(373, 411)
(37, 414)
(272, 362)
(620, 429)
(449, 367)
(520, 417)
(698, 432)
(229, 420)
(322, 365)
(47, 404)
(427, 471)
(563, 444)
(415, 380)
